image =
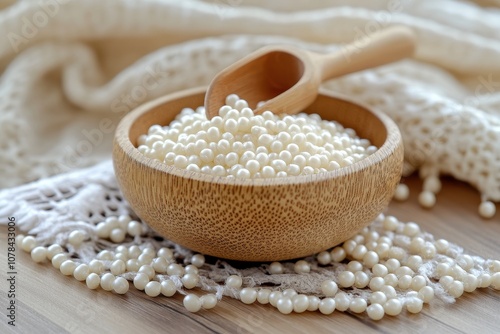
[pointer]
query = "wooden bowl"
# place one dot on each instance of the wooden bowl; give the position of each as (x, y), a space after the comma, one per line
(258, 219)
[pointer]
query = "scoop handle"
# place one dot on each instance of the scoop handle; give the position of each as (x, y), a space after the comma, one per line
(377, 49)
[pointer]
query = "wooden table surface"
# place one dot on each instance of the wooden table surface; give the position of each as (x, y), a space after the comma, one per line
(48, 302)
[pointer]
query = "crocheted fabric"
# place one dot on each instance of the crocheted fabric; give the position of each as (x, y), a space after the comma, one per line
(53, 207)
(73, 66)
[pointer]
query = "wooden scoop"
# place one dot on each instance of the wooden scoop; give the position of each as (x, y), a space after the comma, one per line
(288, 78)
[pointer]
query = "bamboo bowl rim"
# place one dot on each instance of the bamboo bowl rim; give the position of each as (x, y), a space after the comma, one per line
(392, 141)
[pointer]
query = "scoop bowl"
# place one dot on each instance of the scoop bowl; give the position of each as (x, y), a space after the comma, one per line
(258, 219)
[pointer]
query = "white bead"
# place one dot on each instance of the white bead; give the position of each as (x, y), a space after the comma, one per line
(93, 281)
(354, 266)
(389, 291)
(429, 251)
(153, 288)
(338, 254)
(175, 269)
(484, 280)
(300, 303)
(329, 288)
(58, 259)
(118, 267)
(53, 250)
(446, 281)
(411, 229)
(414, 305)
(289, 293)
(234, 281)
(376, 283)
(248, 295)
(391, 279)
(392, 265)
(487, 209)
(414, 262)
(418, 282)
(427, 199)
(404, 282)
(276, 268)
(402, 192)
(327, 305)
(140, 281)
(117, 235)
(358, 305)
(346, 279)
(302, 267)
(379, 270)
(81, 272)
(208, 301)
(168, 288)
(28, 243)
(393, 307)
(198, 260)
(189, 269)
(285, 305)
(375, 311)
(190, 280)
(274, 297)
(134, 228)
(67, 267)
(313, 303)
(96, 266)
(342, 301)
(361, 279)
(107, 281)
(495, 281)
(263, 296)
(378, 297)
(456, 289)
(192, 303)
(402, 271)
(160, 265)
(370, 259)
(359, 252)
(76, 238)
(324, 258)
(39, 254)
(465, 261)
(120, 285)
(442, 246)
(426, 294)
(397, 253)
(166, 253)
(494, 266)
(390, 223)
(134, 252)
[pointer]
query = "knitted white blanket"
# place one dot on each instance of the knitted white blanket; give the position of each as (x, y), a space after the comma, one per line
(70, 66)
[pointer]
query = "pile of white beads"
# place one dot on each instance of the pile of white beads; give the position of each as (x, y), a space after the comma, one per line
(239, 144)
(387, 268)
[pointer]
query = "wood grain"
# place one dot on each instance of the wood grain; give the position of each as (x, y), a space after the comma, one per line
(287, 78)
(258, 219)
(49, 302)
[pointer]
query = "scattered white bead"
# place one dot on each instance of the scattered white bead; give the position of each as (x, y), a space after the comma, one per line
(393, 307)
(346, 279)
(53, 250)
(192, 303)
(120, 285)
(234, 281)
(358, 305)
(107, 281)
(414, 305)
(58, 259)
(153, 289)
(140, 281)
(427, 199)
(118, 267)
(208, 301)
(198, 260)
(327, 305)
(300, 303)
(402, 192)
(81, 272)
(248, 295)
(285, 305)
(67, 267)
(168, 288)
(190, 280)
(324, 258)
(329, 288)
(76, 238)
(302, 267)
(28, 243)
(378, 297)
(93, 281)
(375, 311)
(39, 254)
(487, 209)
